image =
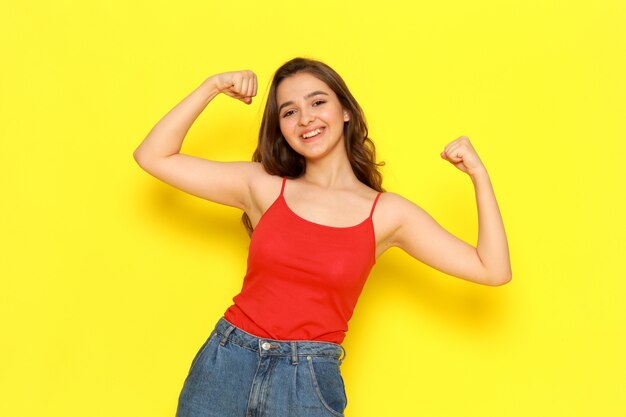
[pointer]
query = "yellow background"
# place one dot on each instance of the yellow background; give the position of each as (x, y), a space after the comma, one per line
(111, 280)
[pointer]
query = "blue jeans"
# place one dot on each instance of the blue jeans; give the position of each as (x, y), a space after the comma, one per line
(237, 374)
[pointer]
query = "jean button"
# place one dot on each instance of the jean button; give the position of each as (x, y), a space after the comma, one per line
(265, 346)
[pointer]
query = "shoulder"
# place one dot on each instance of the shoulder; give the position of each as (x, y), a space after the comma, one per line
(393, 205)
(263, 188)
(259, 177)
(395, 213)
(394, 202)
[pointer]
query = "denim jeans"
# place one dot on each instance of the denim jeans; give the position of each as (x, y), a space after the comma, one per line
(237, 374)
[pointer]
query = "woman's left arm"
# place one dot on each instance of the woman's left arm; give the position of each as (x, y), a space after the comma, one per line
(423, 238)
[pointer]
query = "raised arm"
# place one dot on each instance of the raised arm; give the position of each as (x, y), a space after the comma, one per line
(422, 237)
(159, 154)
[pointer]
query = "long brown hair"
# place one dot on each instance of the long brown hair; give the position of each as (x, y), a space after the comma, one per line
(278, 158)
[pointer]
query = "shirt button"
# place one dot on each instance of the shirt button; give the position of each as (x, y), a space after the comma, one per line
(265, 346)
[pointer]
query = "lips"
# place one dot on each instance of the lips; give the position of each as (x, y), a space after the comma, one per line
(321, 129)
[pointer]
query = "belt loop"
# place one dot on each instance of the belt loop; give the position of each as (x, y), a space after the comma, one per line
(226, 334)
(294, 354)
(344, 354)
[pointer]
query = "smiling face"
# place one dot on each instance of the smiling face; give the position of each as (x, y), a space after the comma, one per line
(308, 106)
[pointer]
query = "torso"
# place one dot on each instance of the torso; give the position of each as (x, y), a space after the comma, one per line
(335, 208)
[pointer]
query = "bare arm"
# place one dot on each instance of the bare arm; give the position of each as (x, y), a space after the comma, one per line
(422, 237)
(159, 153)
(492, 247)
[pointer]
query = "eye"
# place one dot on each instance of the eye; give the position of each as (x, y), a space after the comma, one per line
(287, 113)
(319, 101)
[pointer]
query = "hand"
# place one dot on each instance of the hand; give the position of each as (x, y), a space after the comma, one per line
(241, 85)
(462, 155)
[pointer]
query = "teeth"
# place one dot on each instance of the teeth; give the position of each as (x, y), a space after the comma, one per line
(313, 133)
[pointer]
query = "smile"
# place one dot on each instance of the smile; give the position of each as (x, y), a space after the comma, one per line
(314, 134)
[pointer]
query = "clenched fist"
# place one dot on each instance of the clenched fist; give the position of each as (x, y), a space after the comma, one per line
(241, 85)
(462, 155)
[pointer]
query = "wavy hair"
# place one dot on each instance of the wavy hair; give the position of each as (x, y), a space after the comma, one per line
(278, 158)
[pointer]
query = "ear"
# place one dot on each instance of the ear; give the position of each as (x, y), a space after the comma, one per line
(346, 116)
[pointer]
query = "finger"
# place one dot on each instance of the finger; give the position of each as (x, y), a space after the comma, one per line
(255, 86)
(452, 156)
(231, 92)
(250, 91)
(452, 152)
(245, 88)
(237, 87)
(244, 92)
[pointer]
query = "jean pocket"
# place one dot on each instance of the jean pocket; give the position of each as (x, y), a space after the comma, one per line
(328, 383)
(202, 350)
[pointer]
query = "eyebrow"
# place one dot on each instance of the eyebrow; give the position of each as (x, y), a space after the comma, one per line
(314, 93)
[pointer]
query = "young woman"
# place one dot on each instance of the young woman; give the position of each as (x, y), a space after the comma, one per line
(318, 218)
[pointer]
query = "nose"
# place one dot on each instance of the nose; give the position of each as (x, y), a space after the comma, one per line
(305, 117)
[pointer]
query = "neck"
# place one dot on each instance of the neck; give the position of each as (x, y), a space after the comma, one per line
(330, 172)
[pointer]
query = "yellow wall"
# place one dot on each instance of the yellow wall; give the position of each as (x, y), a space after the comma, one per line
(111, 280)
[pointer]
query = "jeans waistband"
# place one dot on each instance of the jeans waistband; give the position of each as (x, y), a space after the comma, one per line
(266, 346)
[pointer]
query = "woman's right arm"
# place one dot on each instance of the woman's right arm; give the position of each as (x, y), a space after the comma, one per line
(159, 153)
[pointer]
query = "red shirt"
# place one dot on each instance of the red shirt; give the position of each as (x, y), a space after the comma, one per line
(303, 278)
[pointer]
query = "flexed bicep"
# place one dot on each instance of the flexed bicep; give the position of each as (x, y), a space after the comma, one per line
(419, 235)
(227, 183)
